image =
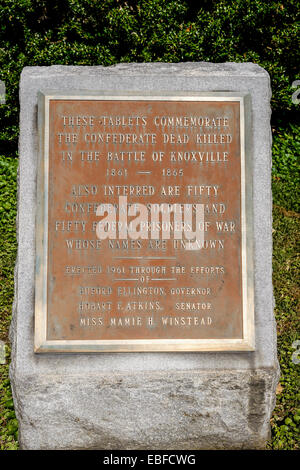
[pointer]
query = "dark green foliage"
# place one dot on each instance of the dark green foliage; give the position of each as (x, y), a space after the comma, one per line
(106, 32)
(286, 167)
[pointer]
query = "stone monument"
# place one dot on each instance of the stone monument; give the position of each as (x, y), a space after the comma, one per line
(143, 313)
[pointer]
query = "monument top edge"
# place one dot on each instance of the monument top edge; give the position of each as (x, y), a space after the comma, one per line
(248, 69)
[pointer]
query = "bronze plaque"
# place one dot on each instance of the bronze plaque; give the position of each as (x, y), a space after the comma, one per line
(144, 223)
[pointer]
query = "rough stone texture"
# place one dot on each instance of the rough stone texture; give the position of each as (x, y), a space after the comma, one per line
(144, 400)
(157, 410)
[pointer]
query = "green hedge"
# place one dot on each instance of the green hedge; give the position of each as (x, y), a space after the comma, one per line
(90, 32)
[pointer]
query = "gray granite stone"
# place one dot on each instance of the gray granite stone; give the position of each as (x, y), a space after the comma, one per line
(144, 400)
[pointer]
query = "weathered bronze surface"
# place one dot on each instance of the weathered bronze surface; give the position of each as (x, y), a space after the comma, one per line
(99, 293)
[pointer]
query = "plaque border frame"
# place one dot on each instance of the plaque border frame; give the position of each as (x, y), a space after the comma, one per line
(247, 343)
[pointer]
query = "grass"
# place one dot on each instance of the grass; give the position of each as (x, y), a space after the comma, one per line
(106, 32)
(8, 190)
(286, 220)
